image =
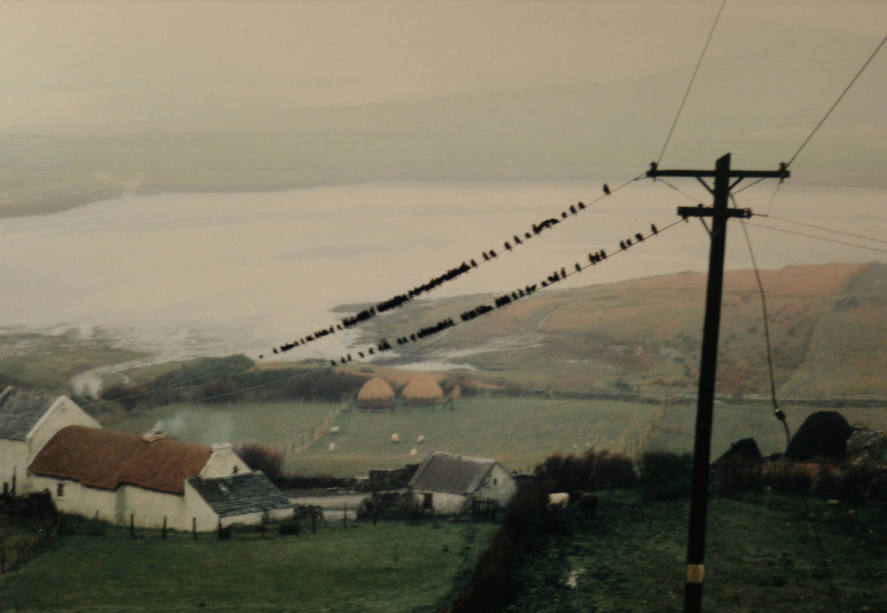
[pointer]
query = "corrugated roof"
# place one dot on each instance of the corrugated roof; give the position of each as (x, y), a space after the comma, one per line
(20, 410)
(107, 459)
(451, 474)
(241, 494)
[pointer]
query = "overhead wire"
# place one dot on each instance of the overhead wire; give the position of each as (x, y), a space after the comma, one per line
(820, 238)
(398, 300)
(504, 299)
(825, 229)
(677, 116)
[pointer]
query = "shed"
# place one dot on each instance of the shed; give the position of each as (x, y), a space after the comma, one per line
(375, 394)
(445, 483)
(422, 389)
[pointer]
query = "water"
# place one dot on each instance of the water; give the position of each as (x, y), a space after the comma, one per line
(211, 274)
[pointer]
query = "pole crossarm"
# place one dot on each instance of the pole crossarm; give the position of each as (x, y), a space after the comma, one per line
(703, 211)
(782, 173)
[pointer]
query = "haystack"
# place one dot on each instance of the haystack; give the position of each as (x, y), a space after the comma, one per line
(422, 389)
(375, 394)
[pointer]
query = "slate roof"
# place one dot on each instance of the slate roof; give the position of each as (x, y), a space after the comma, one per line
(241, 494)
(107, 459)
(451, 474)
(20, 410)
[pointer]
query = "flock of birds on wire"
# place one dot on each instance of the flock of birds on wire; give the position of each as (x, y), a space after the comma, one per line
(453, 273)
(499, 302)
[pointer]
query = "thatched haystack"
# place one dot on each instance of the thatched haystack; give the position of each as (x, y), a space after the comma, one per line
(422, 389)
(375, 394)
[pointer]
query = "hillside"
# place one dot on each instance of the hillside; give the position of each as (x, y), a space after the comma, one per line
(826, 325)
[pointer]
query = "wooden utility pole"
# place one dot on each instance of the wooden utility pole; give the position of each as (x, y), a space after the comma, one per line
(719, 213)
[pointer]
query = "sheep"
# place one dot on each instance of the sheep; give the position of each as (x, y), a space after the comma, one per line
(420, 439)
(395, 438)
(558, 500)
(332, 447)
(334, 430)
(414, 452)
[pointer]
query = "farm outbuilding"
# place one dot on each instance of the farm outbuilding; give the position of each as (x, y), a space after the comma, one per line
(121, 477)
(446, 483)
(27, 421)
(422, 389)
(375, 394)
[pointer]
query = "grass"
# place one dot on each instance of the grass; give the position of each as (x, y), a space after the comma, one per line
(388, 568)
(282, 424)
(518, 432)
(48, 361)
(760, 556)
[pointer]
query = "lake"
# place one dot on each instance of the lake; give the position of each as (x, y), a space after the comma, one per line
(212, 274)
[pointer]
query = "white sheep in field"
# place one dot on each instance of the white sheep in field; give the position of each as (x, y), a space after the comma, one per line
(420, 439)
(414, 452)
(334, 430)
(395, 438)
(332, 447)
(558, 500)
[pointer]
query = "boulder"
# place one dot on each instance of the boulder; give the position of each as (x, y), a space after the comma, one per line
(823, 434)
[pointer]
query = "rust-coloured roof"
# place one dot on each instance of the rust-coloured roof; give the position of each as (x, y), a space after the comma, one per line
(107, 459)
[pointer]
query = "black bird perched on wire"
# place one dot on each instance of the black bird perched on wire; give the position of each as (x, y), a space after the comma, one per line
(606, 189)
(563, 214)
(639, 236)
(486, 257)
(507, 245)
(603, 254)
(654, 228)
(563, 273)
(492, 253)
(572, 209)
(473, 264)
(517, 241)
(628, 242)
(360, 353)
(578, 268)
(622, 245)
(581, 205)
(527, 235)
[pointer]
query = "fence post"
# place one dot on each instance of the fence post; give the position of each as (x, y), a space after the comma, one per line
(194, 527)
(345, 517)
(313, 522)
(2, 559)
(132, 525)
(164, 528)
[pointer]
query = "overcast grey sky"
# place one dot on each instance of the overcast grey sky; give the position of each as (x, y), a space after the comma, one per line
(503, 90)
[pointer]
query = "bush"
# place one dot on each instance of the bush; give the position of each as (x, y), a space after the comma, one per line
(593, 470)
(262, 457)
(665, 474)
(290, 526)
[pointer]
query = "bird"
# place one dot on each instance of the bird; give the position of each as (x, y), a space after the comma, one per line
(492, 253)
(563, 273)
(572, 209)
(544, 284)
(654, 228)
(622, 244)
(371, 351)
(527, 235)
(507, 245)
(581, 205)
(261, 357)
(578, 268)
(360, 353)
(274, 349)
(606, 189)
(473, 264)
(486, 257)
(563, 214)
(517, 241)
(639, 236)
(603, 254)
(628, 242)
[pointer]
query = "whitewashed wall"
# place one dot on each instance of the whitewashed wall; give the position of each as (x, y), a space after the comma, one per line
(441, 502)
(498, 485)
(63, 412)
(223, 463)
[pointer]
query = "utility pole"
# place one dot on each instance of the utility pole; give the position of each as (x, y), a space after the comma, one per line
(719, 213)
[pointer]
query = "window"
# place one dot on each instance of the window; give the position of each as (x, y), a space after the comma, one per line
(495, 481)
(236, 468)
(428, 501)
(60, 490)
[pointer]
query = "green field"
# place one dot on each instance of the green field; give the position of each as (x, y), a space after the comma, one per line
(761, 555)
(388, 568)
(282, 424)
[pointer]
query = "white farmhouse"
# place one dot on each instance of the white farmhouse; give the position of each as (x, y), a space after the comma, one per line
(27, 421)
(446, 483)
(148, 480)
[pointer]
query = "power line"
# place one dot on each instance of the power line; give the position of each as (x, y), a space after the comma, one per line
(824, 229)
(829, 112)
(398, 300)
(690, 84)
(504, 299)
(777, 412)
(821, 238)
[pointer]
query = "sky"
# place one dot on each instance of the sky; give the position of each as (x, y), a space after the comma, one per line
(456, 90)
